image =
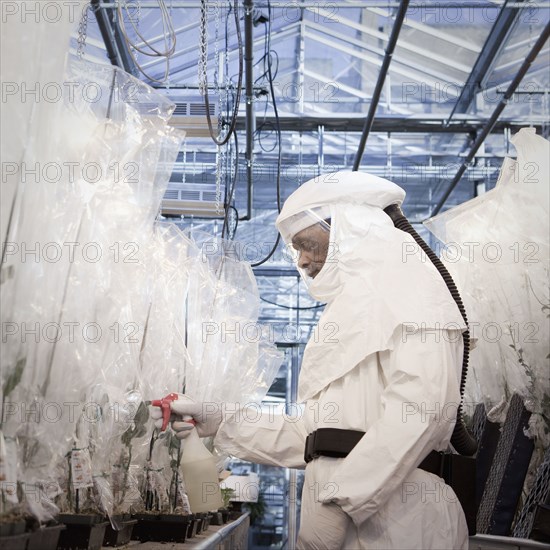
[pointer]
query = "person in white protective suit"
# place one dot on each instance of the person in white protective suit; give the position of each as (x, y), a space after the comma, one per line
(385, 360)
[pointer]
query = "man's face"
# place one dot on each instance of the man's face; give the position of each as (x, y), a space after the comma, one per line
(312, 246)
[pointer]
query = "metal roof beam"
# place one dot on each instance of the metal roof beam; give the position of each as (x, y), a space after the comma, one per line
(432, 31)
(413, 48)
(338, 122)
(500, 32)
(117, 49)
(192, 65)
(513, 62)
(349, 4)
(349, 89)
(374, 60)
(380, 52)
(400, 16)
(160, 37)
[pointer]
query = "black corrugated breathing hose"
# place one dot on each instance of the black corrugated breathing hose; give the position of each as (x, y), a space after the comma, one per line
(461, 439)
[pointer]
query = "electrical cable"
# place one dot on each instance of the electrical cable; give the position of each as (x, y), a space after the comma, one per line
(292, 307)
(233, 122)
(234, 230)
(170, 39)
(279, 139)
(232, 189)
(167, 23)
(461, 439)
(260, 130)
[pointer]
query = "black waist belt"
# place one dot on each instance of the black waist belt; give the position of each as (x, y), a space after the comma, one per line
(338, 443)
(331, 442)
(458, 471)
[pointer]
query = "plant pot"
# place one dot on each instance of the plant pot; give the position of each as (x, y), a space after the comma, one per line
(12, 528)
(120, 537)
(45, 538)
(15, 542)
(161, 527)
(234, 514)
(81, 519)
(121, 518)
(216, 519)
(84, 531)
(208, 519)
(225, 515)
(143, 520)
(146, 516)
(192, 527)
(201, 522)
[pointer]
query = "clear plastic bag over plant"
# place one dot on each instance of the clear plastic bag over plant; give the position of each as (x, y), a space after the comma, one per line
(224, 336)
(163, 359)
(497, 251)
(163, 354)
(28, 149)
(94, 298)
(33, 77)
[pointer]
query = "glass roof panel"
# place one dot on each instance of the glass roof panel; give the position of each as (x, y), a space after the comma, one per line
(326, 59)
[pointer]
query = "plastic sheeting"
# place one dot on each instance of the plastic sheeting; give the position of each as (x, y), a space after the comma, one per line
(28, 71)
(76, 309)
(224, 336)
(112, 309)
(497, 252)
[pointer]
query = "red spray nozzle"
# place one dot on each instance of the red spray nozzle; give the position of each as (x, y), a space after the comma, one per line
(164, 404)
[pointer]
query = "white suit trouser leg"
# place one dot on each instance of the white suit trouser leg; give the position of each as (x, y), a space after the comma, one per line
(425, 514)
(322, 526)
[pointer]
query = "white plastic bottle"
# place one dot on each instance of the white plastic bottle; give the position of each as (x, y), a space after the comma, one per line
(200, 475)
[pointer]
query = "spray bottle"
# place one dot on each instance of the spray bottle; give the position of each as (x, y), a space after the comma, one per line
(198, 466)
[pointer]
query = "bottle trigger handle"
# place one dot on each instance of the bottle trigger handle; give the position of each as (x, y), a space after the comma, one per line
(164, 404)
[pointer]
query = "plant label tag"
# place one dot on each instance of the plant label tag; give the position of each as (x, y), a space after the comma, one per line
(183, 499)
(8, 471)
(81, 469)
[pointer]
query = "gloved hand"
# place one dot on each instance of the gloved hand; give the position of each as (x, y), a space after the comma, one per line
(207, 417)
(323, 527)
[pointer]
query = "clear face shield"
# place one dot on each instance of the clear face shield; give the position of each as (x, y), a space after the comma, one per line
(307, 238)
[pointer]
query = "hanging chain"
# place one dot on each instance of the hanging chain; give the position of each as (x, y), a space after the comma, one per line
(216, 42)
(138, 14)
(217, 83)
(203, 48)
(219, 176)
(82, 32)
(224, 92)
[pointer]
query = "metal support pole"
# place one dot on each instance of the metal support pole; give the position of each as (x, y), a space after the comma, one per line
(117, 50)
(291, 398)
(380, 82)
(249, 97)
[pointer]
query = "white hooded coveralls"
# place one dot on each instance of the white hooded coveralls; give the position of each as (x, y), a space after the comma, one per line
(386, 360)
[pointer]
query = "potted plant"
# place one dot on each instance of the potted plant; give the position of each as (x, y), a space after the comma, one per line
(227, 495)
(157, 521)
(256, 509)
(119, 532)
(12, 521)
(84, 510)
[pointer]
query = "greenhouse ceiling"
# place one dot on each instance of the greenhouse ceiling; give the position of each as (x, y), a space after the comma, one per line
(313, 70)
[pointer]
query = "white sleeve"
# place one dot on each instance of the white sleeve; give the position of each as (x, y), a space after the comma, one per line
(263, 437)
(419, 413)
